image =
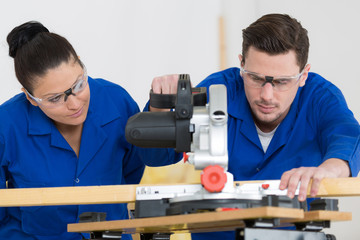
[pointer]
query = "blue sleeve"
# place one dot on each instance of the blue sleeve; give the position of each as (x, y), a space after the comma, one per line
(3, 178)
(157, 157)
(137, 158)
(338, 129)
(133, 166)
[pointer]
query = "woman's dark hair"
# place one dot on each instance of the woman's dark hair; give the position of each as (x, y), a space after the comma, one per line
(277, 34)
(35, 50)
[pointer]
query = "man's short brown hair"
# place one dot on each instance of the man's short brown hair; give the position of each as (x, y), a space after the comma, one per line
(277, 34)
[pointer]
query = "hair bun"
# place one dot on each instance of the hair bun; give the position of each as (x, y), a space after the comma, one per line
(23, 34)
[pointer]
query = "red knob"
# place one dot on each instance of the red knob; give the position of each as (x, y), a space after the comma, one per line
(186, 157)
(213, 178)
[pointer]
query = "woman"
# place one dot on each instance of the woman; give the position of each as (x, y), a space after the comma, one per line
(65, 129)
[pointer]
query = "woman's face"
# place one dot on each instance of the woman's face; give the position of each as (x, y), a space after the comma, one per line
(73, 110)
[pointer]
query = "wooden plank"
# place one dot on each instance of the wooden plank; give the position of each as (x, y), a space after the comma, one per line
(339, 187)
(196, 222)
(67, 195)
(331, 187)
(321, 215)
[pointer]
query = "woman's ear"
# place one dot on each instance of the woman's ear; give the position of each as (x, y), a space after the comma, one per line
(32, 101)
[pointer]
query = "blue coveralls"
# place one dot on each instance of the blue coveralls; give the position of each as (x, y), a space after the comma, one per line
(318, 126)
(34, 154)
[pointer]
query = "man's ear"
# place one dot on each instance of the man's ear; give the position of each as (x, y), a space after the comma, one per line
(241, 60)
(305, 75)
(32, 101)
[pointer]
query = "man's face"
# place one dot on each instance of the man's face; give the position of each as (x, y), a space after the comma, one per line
(269, 107)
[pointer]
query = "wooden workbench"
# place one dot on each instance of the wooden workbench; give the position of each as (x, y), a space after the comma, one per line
(195, 222)
(208, 222)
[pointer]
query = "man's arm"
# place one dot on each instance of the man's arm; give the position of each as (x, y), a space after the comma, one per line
(338, 136)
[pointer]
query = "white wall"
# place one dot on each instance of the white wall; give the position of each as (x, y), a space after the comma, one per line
(130, 42)
(127, 42)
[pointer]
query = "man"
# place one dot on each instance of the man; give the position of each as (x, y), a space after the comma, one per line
(284, 121)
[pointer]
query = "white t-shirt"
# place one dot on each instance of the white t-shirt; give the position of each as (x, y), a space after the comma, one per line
(265, 138)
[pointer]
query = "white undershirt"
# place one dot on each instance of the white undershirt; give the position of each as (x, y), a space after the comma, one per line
(265, 138)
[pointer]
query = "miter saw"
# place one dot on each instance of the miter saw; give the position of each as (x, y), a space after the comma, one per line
(199, 129)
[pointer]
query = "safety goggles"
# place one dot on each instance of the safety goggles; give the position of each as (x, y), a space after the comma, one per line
(281, 83)
(58, 99)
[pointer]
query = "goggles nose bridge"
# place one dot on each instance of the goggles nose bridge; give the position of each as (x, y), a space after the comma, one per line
(68, 93)
(268, 79)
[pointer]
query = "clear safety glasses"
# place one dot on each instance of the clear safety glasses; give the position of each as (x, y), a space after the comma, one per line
(280, 84)
(58, 99)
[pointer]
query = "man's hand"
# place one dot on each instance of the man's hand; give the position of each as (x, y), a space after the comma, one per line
(164, 85)
(331, 168)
